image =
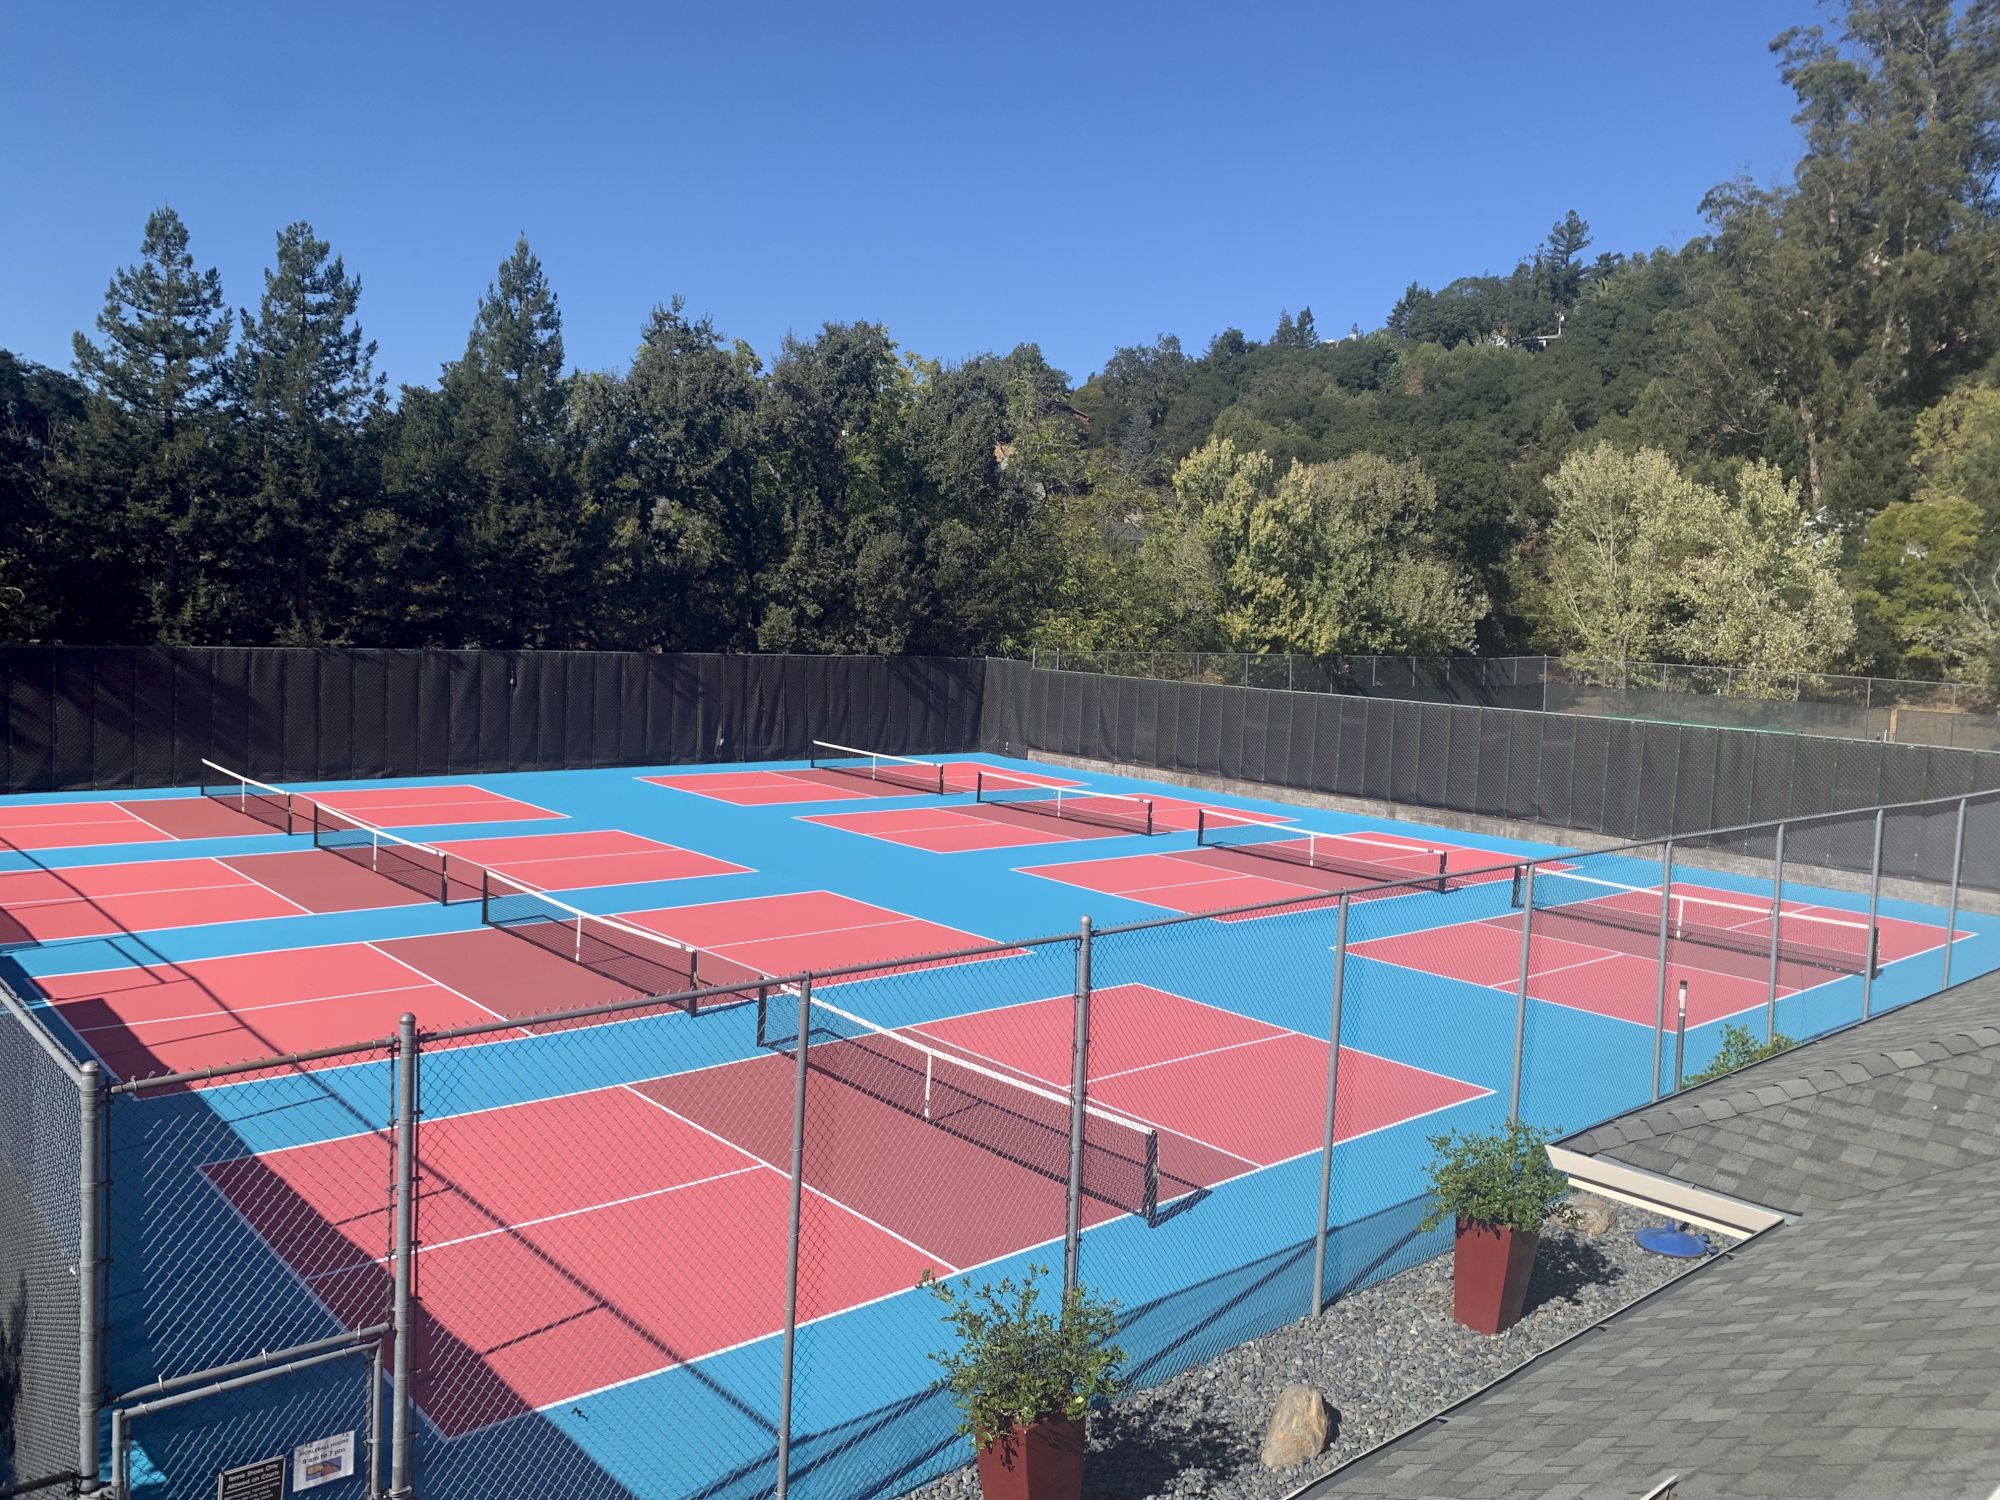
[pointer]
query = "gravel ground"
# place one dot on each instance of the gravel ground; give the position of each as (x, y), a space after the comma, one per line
(1385, 1359)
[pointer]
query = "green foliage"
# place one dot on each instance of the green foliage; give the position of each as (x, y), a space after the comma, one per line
(1699, 453)
(1017, 1360)
(1739, 1049)
(1499, 1177)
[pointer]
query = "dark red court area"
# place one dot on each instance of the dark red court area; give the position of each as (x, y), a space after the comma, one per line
(1280, 867)
(554, 1285)
(151, 1019)
(835, 784)
(1011, 822)
(1602, 955)
(576, 861)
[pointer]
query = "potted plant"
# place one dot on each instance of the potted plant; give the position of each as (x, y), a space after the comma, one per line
(1499, 1187)
(1024, 1377)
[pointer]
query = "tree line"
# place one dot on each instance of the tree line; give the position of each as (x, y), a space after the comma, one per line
(1775, 448)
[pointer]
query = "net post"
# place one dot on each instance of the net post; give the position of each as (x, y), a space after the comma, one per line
(789, 1351)
(404, 1252)
(763, 1015)
(444, 880)
(291, 814)
(1149, 817)
(1521, 992)
(89, 1266)
(1874, 904)
(1777, 923)
(1079, 1083)
(978, 786)
(941, 791)
(1200, 826)
(1332, 1092)
(694, 973)
(1660, 979)
(1951, 906)
(1444, 872)
(485, 897)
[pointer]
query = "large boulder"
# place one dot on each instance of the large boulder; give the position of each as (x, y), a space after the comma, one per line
(1300, 1424)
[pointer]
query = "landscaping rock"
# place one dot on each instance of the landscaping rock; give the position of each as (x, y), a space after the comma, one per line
(1298, 1428)
(1591, 1216)
(1386, 1357)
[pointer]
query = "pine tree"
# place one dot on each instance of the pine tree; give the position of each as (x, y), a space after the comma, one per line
(307, 384)
(147, 458)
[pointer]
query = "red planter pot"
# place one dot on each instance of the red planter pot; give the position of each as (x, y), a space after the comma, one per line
(1489, 1275)
(1043, 1461)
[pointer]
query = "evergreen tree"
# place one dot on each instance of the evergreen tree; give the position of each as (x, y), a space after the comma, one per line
(147, 460)
(306, 379)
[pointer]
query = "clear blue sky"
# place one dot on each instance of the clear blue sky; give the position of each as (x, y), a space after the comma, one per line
(971, 175)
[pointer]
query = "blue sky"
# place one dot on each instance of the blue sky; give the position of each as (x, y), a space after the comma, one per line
(971, 175)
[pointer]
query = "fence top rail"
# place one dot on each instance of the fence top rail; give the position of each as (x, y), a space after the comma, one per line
(378, 1049)
(1539, 713)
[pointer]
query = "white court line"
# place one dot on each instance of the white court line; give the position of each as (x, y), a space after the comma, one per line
(73, 897)
(846, 1208)
(229, 1011)
(485, 1234)
(374, 947)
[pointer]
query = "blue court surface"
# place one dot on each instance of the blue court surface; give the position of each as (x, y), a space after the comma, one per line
(603, 1200)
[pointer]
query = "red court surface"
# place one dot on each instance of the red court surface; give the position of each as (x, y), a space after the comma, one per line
(104, 900)
(815, 930)
(573, 861)
(1616, 973)
(161, 1018)
(541, 1285)
(98, 900)
(164, 1018)
(425, 806)
(1217, 879)
(829, 784)
(1013, 825)
(75, 825)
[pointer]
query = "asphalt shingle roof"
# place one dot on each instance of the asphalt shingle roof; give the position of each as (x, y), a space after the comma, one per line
(1850, 1354)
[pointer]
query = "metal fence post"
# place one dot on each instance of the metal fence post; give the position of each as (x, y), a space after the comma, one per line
(405, 1252)
(1521, 994)
(1079, 1082)
(1332, 1091)
(1777, 920)
(1681, 1038)
(1951, 907)
(1666, 938)
(89, 1268)
(789, 1352)
(1874, 902)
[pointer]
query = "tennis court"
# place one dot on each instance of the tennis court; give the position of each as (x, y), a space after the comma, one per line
(606, 971)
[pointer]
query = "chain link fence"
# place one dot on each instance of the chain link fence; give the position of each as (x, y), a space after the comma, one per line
(1903, 710)
(671, 1246)
(48, 1259)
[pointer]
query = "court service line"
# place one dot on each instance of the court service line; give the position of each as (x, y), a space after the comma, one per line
(373, 946)
(844, 1207)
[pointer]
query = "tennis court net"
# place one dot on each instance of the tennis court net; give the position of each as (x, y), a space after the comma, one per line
(1099, 809)
(1377, 861)
(648, 962)
(414, 866)
(1021, 1120)
(879, 767)
(1585, 906)
(267, 804)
